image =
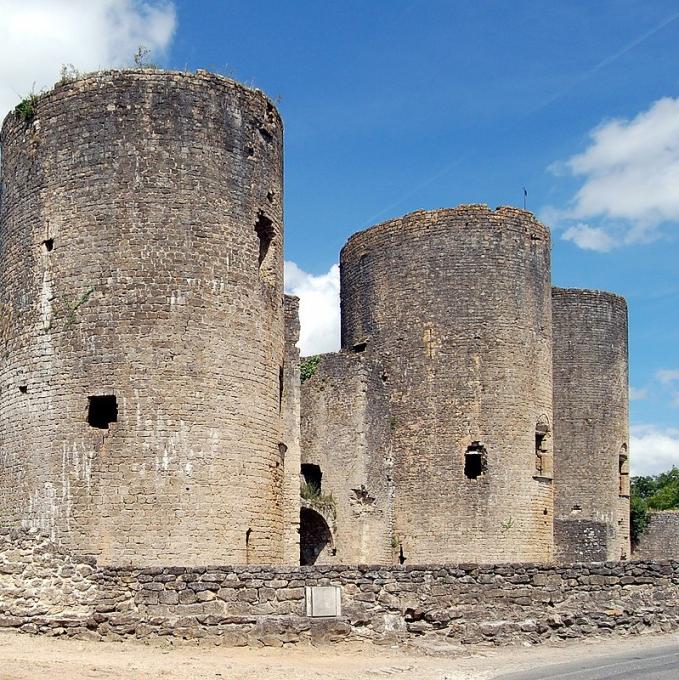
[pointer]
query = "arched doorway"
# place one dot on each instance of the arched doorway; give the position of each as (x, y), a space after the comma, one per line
(315, 536)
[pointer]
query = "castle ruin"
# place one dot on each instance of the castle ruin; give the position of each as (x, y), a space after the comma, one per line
(150, 402)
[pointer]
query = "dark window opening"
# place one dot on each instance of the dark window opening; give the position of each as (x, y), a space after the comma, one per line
(312, 475)
(540, 442)
(102, 411)
(23, 389)
(48, 245)
(623, 472)
(265, 134)
(359, 347)
(248, 533)
(543, 459)
(280, 389)
(475, 461)
(265, 233)
(314, 537)
(282, 450)
(401, 556)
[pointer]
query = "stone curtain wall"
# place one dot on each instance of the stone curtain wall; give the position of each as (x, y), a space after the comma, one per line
(345, 428)
(42, 590)
(456, 304)
(660, 539)
(141, 260)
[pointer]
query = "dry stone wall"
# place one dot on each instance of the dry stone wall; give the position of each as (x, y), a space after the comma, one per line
(45, 591)
(456, 305)
(39, 583)
(591, 431)
(141, 283)
(660, 538)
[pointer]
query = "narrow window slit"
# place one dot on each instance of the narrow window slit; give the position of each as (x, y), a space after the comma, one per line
(623, 472)
(248, 533)
(265, 232)
(280, 389)
(543, 456)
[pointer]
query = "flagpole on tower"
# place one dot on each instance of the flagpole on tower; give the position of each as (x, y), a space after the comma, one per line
(525, 196)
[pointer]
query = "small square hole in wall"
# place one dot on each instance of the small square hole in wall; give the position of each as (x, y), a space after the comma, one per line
(102, 411)
(48, 245)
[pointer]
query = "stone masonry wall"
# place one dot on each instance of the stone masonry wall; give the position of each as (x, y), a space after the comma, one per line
(456, 305)
(591, 435)
(290, 445)
(660, 538)
(141, 285)
(345, 431)
(42, 590)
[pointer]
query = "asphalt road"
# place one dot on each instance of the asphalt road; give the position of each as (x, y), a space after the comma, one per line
(661, 663)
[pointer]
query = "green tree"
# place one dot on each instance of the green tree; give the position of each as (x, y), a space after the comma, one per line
(658, 492)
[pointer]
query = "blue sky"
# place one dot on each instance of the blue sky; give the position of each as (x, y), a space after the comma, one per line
(395, 105)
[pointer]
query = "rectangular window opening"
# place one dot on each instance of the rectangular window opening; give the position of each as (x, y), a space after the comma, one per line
(102, 411)
(312, 476)
(475, 461)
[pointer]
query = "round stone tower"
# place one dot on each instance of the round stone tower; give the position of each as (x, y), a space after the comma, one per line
(456, 303)
(141, 285)
(591, 411)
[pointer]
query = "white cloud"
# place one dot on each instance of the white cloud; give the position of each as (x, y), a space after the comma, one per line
(653, 449)
(589, 238)
(319, 308)
(667, 376)
(630, 173)
(38, 36)
(637, 393)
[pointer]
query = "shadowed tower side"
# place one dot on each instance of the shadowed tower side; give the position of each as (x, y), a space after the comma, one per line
(591, 431)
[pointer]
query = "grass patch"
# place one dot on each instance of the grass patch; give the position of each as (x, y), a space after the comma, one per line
(26, 109)
(308, 366)
(324, 503)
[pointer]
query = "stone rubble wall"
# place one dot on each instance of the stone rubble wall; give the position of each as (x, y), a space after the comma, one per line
(41, 586)
(45, 591)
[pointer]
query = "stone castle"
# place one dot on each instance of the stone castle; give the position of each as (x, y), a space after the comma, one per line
(151, 410)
